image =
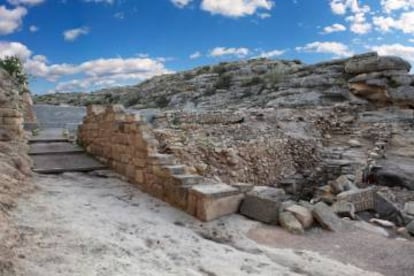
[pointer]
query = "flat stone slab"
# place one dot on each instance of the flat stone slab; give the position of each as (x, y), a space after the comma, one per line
(210, 201)
(54, 148)
(215, 190)
(49, 135)
(61, 163)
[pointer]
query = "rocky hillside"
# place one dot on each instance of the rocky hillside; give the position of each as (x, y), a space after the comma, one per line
(262, 83)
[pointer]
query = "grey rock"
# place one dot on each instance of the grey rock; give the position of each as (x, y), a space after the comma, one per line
(262, 204)
(289, 222)
(376, 63)
(410, 227)
(409, 208)
(326, 217)
(344, 209)
(302, 214)
(386, 209)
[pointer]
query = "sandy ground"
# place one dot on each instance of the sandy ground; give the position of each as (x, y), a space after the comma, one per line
(75, 224)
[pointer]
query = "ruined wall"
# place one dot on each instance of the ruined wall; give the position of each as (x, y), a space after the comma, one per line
(126, 144)
(14, 166)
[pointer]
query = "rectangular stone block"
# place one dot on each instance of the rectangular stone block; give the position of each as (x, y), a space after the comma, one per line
(262, 204)
(210, 201)
(362, 199)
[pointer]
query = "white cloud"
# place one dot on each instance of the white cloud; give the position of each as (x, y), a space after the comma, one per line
(334, 28)
(356, 14)
(359, 24)
(11, 20)
(73, 34)
(33, 28)
(89, 74)
(272, 54)
(222, 51)
(336, 48)
(195, 55)
(404, 23)
(14, 49)
(400, 50)
(181, 3)
(25, 2)
(236, 8)
(389, 6)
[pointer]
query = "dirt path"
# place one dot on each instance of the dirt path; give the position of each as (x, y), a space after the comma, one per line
(75, 224)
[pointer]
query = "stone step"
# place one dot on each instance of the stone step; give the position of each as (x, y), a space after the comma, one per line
(54, 148)
(162, 159)
(188, 179)
(211, 201)
(60, 163)
(176, 169)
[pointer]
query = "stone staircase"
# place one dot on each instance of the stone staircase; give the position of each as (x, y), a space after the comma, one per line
(52, 154)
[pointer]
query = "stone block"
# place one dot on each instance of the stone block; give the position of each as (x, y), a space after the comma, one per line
(326, 217)
(302, 214)
(210, 201)
(386, 209)
(409, 208)
(362, 199)
(243, 187)
(263, 203)
(289, 222)
(344, 209)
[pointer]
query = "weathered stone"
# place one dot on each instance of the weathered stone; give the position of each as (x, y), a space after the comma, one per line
(341, 184)
(383, 223)
(409, 208)
(326, 217)
(386, 209)
(375, 63)
(410, 228)
(361, 199)
(354, 143)
(344, 209)
(262, 204)
(289, 222)
(302, 214)
(211, 201)
(243, 187)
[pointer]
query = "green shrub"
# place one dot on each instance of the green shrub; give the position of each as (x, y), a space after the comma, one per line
(223, 82)
(276, 75)
(253, 81)
(220, 69)
(162, 101)
(14, 66)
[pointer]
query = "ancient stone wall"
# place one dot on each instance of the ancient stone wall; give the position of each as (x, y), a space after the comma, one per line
(14, 166)
(125, 143)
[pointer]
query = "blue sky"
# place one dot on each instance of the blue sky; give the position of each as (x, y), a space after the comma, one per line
(82, 45)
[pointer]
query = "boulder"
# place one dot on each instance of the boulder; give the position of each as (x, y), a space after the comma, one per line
(344, 209)
(302, 214)
(326, 217)
(386, 209)
(393, 174)
(409, 208)
(289, 222)
(362, 199)
(410, 228)
(374, 63)
(263, 203)
(342, 184)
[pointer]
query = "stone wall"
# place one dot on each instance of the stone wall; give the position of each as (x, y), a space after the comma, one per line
(14, 167)
(126, 144)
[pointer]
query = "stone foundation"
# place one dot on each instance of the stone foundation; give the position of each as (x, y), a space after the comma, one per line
(126, 144)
